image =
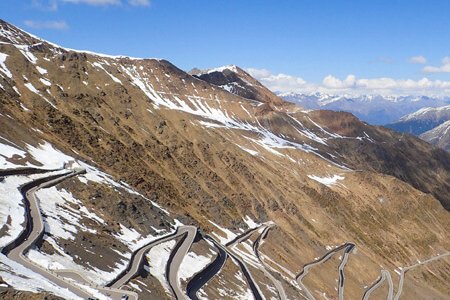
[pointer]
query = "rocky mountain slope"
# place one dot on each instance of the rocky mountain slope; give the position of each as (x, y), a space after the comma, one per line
(235, 80)
(119, 172)
(439, 136)
(373, 109)
(422, 120)
(430, 124)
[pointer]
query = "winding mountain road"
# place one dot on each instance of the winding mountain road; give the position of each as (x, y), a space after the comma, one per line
(137, 261)
(25, 171)
(37, 231)
(341, 269)
(257, 294)
(34, 232)
(242, 237)
(384, 275)
(176, 258)
(406, 269)
(205, 275)
(266, 270)
(177, 255)
(324, 258)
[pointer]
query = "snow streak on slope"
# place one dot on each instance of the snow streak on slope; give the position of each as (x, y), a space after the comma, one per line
(132, 238)
(24, 279)
(64, 215)
(8, 152)
(12, 212)
(47, 155)
(229, 234)
(157, 259)
(3, 67)
(327, 180)
(192, 264)
(199, 106)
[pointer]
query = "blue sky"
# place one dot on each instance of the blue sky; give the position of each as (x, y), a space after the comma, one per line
(303, 40)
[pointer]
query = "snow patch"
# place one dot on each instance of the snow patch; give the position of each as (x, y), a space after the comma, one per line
(61, 219)
(250, 223)
(8, 152)
(192, 264)
(157, 259)
(48, 156)
(24, 279)
(41, 70)
(132, 238)
(3, 68)
(31, 88)
(328, 181)
(45, 81)
(98, 65)
(229, 234)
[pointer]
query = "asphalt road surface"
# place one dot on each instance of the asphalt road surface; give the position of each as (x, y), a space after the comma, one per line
(205, 275)
(137, 260)
(16, 254)
(324, 258)
(406, 269)
(341, 283)
(384, 275)
(176, 258)
(278, 286)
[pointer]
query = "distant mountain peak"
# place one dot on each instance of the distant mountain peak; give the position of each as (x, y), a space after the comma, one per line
(429, 123)
(232, 68)
(439, 136)
(428, 113)
(237, 81)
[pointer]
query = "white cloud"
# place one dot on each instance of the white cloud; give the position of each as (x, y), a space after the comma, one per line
(139, 2)
(58, 25)
(352, 85)
(419, 59)
(335, 83)
(259, 73)
(279, 82)
(443, 68)
(50, 5)
(94, 2)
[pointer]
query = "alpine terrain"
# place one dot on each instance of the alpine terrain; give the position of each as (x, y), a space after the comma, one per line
(128, 178)
(373, 109)
(430, 124)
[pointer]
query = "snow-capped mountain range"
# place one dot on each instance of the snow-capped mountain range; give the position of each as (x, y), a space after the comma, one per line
(430, 123)
(374, 109)
(439, 135)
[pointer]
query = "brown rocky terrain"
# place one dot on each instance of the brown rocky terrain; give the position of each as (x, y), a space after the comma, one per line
(237, 81)
(8, 293)
(206, 154)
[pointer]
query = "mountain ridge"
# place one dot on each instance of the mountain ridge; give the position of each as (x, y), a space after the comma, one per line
(439, 136)
(374, 109)
(428, 123)
(422, 120)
